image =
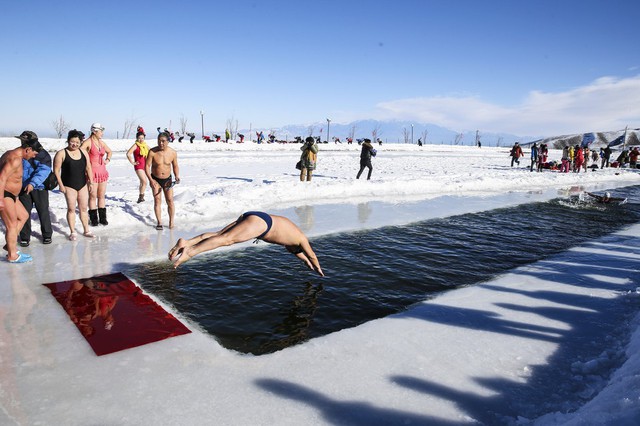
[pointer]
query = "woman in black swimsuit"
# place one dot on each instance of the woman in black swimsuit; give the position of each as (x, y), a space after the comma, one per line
(73, 170)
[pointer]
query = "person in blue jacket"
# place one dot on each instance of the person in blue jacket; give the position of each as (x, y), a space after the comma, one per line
(534, 156)
(35, 172)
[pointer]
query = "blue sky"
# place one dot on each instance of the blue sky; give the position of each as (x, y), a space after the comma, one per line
(524, 67)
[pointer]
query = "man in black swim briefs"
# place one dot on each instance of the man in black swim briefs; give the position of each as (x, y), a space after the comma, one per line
(250, 225)
(12, 212)
(164, 183)
(262, 215)
(161, 161)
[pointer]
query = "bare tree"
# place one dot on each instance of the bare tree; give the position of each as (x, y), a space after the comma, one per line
(499, 142)
(458, 139)
(129, 124)
(376, 133)
(424, 135)
(183, 124)
(352, 131)
(60, 126)
(232, 125)
(406, 135)
(311, 129)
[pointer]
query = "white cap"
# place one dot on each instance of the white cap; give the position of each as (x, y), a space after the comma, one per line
(607, 195)
(96, 126)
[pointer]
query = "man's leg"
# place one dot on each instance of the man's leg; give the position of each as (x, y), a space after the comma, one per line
(41, 200)
(14, 216)
(237, 232)
(157, 206)
(27, 202)
(168, 195)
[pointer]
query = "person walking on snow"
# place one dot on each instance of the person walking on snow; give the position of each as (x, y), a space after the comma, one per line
(516, 153)
(534, 156)
(579, 160)
(566, 162)
(365, 158)
(308, 159)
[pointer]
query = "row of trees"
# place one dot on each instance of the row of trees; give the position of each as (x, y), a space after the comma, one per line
(61, 126)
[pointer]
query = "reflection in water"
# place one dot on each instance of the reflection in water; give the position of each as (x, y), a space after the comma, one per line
(113, 314)
(9, 391)
(364, 211)
(305, 214)
(294, 328)
(89, 303)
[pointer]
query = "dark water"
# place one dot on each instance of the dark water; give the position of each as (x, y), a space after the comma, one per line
(261, 299)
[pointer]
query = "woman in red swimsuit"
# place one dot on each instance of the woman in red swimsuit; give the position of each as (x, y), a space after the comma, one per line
(137, 156)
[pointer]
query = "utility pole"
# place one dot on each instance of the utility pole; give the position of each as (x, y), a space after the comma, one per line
(202, 122)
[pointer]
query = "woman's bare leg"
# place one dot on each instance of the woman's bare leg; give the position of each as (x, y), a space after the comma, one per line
(71, 196)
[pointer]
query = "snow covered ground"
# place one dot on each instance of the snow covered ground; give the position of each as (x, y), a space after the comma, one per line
(497, 352)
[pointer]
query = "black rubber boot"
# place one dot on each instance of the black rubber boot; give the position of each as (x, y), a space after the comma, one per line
(103, 216)
(93, 217)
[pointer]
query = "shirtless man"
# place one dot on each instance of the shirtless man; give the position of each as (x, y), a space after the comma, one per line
(160, 162)
(259, 225)
(13, 212)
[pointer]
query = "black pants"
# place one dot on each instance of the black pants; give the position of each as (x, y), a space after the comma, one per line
(39, 197)
(365, 163)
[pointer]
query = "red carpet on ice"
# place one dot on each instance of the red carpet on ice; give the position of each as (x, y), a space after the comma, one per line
(113, 313)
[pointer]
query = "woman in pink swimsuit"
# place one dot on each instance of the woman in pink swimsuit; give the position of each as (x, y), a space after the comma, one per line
(98, 150)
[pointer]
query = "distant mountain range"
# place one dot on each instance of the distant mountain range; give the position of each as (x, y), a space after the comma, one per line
(598, 139)
(393, 132)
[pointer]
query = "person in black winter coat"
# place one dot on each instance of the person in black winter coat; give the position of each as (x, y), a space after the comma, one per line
(365, 157)
(35, 173)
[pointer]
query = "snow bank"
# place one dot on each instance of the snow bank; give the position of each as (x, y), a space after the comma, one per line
(471, 355)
